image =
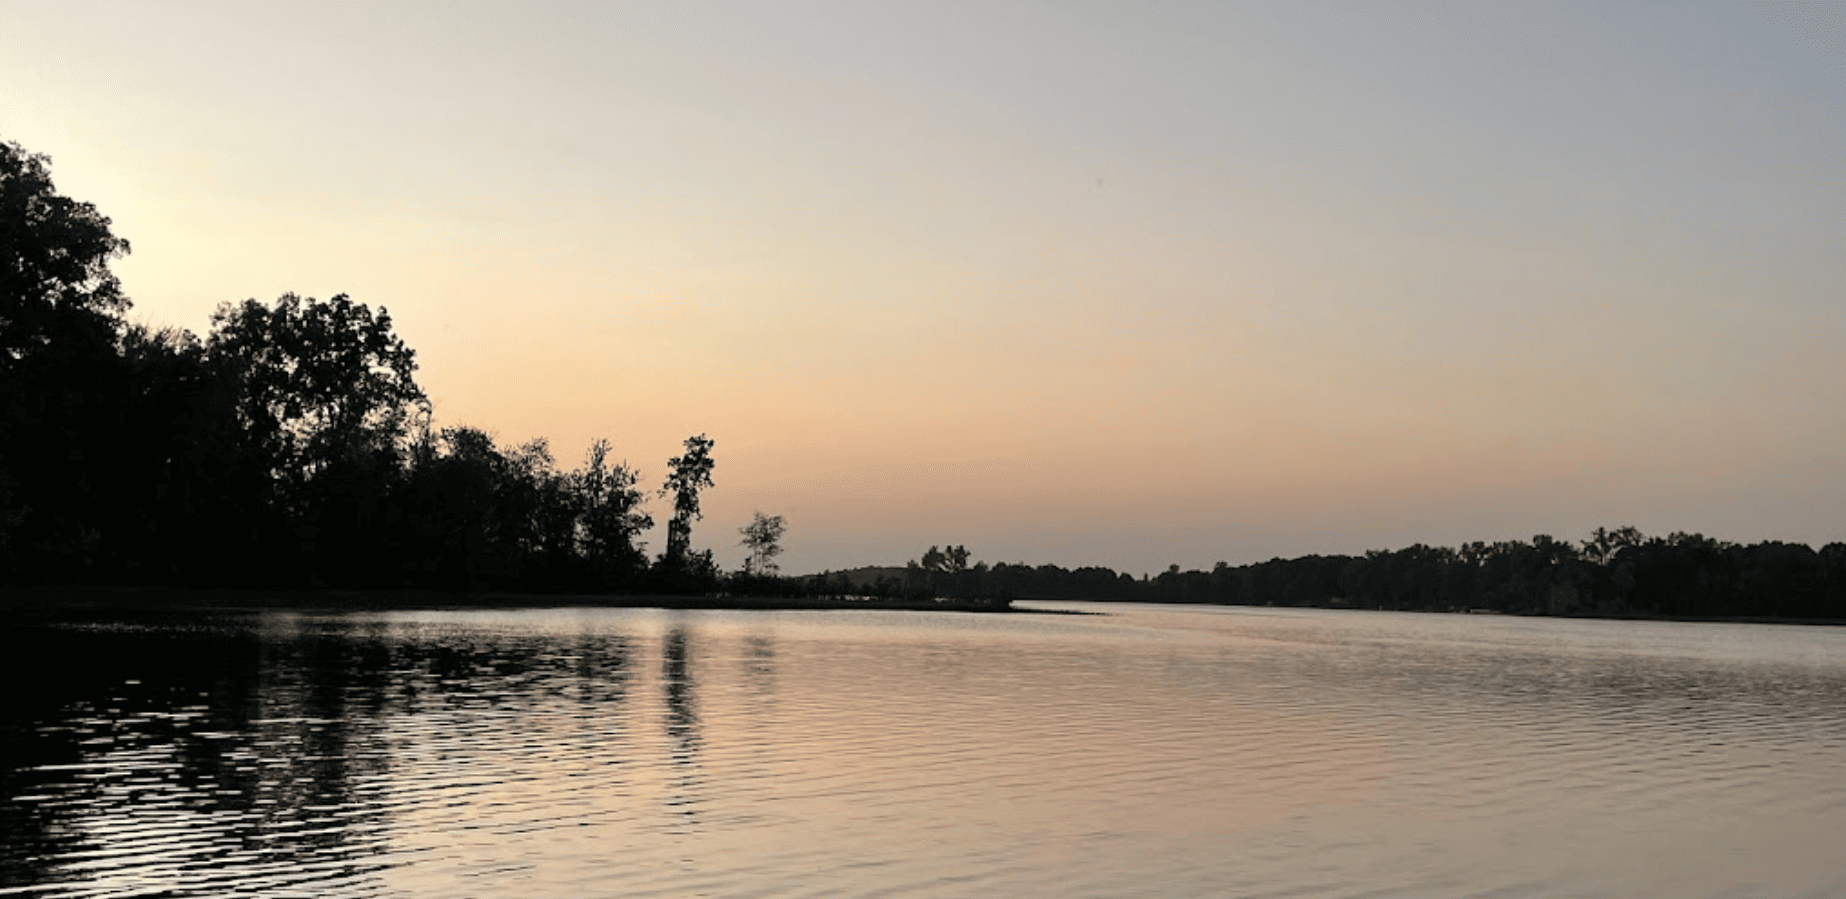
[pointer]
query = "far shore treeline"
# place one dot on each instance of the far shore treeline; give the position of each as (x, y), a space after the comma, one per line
(291, 447)
(1613, 573)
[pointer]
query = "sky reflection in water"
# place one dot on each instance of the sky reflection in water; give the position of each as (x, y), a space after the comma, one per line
(1157, 751)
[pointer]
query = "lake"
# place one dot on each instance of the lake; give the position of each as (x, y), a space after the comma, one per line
(1159, 751)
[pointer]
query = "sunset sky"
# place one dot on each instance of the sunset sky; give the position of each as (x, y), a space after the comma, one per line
(1126, 284)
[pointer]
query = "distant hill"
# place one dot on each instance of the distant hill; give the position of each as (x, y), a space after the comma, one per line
(868, 575)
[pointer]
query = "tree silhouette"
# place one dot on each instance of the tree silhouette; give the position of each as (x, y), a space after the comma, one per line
(54, 262)
(315, 382)
(686, 475)
(949, 559)
(763, 537)
(612, 519)
(62, 384)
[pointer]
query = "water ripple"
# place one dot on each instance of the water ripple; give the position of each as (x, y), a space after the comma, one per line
(1155, 752)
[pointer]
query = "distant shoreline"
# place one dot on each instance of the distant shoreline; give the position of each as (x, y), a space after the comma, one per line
(45, 599)
(1624, 616)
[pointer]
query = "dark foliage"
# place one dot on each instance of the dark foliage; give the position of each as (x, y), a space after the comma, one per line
(64, 388)
(291, 446)
(687, 475)
(1619, 573)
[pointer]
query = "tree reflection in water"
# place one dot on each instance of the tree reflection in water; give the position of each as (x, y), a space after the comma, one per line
(192, 754)
(682, 723)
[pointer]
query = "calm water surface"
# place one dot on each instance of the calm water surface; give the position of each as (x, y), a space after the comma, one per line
(1154, 751)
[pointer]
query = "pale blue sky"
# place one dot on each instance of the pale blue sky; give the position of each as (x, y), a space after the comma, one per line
(1089, 283)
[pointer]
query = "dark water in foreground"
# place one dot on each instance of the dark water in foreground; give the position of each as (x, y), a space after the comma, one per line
(1159, 751)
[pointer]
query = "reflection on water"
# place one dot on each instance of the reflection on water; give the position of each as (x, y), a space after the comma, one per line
(1156, 751)
(682, 726)
(191, 762)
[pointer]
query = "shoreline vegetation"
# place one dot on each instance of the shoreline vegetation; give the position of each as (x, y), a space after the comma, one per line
(27, 603)
(1617, 574)
(290, 452)
(63, 598)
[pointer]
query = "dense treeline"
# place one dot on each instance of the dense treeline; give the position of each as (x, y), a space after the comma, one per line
(1612, 574)
(290, 446)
